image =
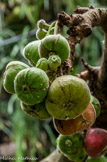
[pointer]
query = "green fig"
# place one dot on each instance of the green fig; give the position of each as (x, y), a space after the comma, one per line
(54, 44)
(54, 62)
(96, 105)
(64, 144)
(78, 157)
(41, 24)
(38, 110)
(41, 33)
(42, 64)
(72, 146)
(31, 52)
(31, 85)
(12, 69)
(68, 97)
(99, 159)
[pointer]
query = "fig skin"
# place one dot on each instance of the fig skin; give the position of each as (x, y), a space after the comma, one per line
(31, 52)
(12, 69)
(37, 111)
(80, 157)
(54, 62)
(68, 97)
(31, 85)
(41, 24)
(99, 159)
(96, 105)
(56, 44)
(80, 123)
(42, 64)
(41, 33)
(72, 146)
(96, 142)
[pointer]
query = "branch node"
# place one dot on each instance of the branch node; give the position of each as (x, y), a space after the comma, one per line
(86, 65)
(84, 75)
(86, 30)
(91, 73)
(91, 7)
(82, 10)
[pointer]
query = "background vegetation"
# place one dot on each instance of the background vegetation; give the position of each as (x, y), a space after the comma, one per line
(18, 18)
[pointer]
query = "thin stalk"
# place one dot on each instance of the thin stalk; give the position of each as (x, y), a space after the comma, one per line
(50, 28)
(56, 28)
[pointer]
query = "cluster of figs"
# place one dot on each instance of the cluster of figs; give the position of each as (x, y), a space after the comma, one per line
(67, 99)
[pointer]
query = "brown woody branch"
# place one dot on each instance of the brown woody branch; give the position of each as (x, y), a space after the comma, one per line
(80, 25)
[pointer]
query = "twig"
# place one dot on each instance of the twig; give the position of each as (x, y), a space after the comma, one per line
(17, 38)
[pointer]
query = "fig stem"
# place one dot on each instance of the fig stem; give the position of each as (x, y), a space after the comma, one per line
(56, 28)
(50, 28)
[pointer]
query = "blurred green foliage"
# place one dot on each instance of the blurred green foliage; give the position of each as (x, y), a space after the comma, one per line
(18, 19)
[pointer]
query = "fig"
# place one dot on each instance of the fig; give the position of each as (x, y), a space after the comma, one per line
(78, 157)
(41, 33)
(99, 159)
(96, 105)
(42, 24)
(31, 85)
(54, 44)
(54, 61)
(67, 97)
(51, 74)
(42, 64)
(72, 146)
(31, 52)
(96, 142)
(38, 110)
(12, 69)
(80, 123)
